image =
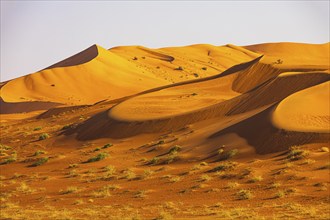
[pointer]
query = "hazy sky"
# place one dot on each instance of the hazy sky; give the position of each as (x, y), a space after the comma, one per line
(36, 34)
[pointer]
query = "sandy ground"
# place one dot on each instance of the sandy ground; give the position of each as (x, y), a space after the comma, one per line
(202, 131)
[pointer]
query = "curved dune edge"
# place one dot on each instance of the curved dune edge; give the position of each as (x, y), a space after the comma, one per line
(24, 107)
(274, 91)
(260, 133)
(305, 111)
(78, 59)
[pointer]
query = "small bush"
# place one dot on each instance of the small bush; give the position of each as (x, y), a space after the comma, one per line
(70, 189)
(296, 154)
(73, 165)
(224, 166)
(154, 161)
(43, 136)
(175, 149)
(10, 159)
(37, 128)
(196, 75)
(100, 156)
(244, 194)
(38, 152)
(279, 194)
(107, 146)
(204, 68)
(230, 154)
(40, 161)
(97, 149)
(255, 179)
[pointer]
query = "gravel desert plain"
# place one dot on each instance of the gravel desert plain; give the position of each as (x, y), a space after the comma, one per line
(200, 131)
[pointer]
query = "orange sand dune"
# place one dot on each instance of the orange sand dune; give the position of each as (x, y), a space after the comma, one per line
(307, 110)
(182, 132)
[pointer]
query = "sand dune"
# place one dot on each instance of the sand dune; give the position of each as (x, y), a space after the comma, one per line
(213, 127)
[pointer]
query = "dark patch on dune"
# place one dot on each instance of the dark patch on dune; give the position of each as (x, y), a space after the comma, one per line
(77, 59)
(22, 107)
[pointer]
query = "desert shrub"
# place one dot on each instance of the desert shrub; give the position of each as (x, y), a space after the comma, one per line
(40, 161)
(73, 165)
(38, 152)
(279, 194)
(255, 179)
(244, 194)
(107, 146)
(296, 154)
(161, 142)
(100, 156)
(37, 128)
(204, 68)
(10, 159)
(154, 161)
(70, 189)
(224, 166)
(97, 149)
(175, 149)
(65, 127)
(229, 154)
(196, 74)
(43, 136)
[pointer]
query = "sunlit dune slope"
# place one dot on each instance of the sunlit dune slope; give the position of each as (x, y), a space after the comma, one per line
(307, 110)
(107, 76)
(294, 55)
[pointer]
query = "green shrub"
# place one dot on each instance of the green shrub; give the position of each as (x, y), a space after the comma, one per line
(38, 152)
(40, 161)
(224, 166)
(154, 161)
(244, 194)
(43, 136)
(10, 159)
(100, 156)
(107, 146)
(296, 154)
(228, 155)
(37, 128)
(175, 149)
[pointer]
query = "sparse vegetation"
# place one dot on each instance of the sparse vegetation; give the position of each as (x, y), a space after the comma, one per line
(107, 146)
(279, 194)
(255, 179)
(229, 154)
(70, 189)
(43, 136)
(100, 156)
(244, 194)
(175, 149)
(295, 153)
(38, 152)
(37, 128)
(224, 166)
(204, 68)
(10, 159)
(40, 161)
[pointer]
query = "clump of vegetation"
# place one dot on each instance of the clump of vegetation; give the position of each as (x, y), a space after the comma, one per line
(43, 136)
(37, 128)
(73, 165)
(38, 152)
(232, 185)
(40, 161)
(65, 127)
(161, 142)
(154, 161)
(70, 189)
(325, 167)
(107, 146)
(179, 68)
(10, 159)
(175, 149)
(227, 155)
(100, 156)
(224, 166)
(135, 58)
(244, 194)
(196, 75)
(295, 153)
(97, 149)
(204, 68)
(279, 61)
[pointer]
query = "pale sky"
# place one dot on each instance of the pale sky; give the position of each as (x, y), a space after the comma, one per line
(37, 34)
